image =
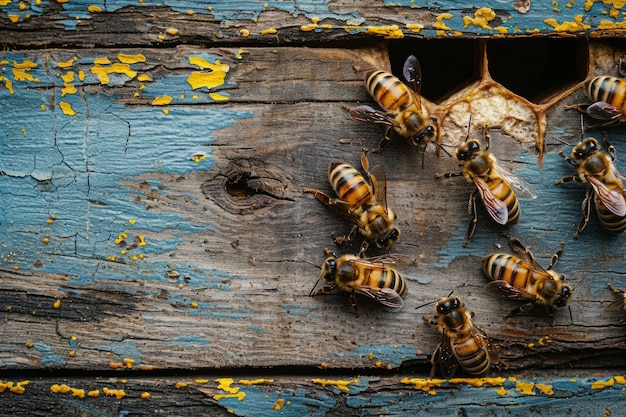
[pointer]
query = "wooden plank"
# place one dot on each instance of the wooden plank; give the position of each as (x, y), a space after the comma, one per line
(164, 23)
(223, 274)
(334, 395)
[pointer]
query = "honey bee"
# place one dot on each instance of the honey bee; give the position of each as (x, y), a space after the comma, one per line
(463, 343)
(498, 188)
(597, 169)
(618, 306)
(376, 278)
(524, 279)
(362, 204)
(402, 112)
(609, 96)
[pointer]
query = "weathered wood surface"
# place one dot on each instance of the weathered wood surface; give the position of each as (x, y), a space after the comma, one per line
(153, 218)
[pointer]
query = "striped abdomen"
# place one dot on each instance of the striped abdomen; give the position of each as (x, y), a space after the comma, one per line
(470, 350)
(515, 271)
(389, 92)
(611, 90)
(384, 277)
(610, 221)
(503, 192)
(349, 185)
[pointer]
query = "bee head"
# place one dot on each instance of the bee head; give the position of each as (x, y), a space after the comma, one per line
(391, 238)
(448, 304)
(329, 270)
(425, 136)
(469, 148)
(585, 148)
(563, 298)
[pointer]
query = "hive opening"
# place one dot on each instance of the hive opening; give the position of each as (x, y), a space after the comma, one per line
(448, 65)
(538, 68)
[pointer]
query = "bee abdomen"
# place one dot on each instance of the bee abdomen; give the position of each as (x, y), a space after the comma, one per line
(506, 268)
(472, 356)
(503, 191)
(388, 91)
(611, 90)
(610, 221)
(387, 278)
(349, 184)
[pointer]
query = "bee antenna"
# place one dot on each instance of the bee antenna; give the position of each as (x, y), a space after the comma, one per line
(441, 146)
(582, 126)
(426, 304)
(562, 141)
(458, 281)
(313, 289)
(578, 282)
(309, 262)
(469, 127)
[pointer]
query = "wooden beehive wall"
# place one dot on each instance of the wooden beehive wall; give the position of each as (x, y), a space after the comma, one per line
(156, 245)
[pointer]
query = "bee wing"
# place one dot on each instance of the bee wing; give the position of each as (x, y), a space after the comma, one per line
(379, 185)
(412, 72)
(612, 199)
(369, 114)
(396, 260)
(503, 289)
(385, 296)
(495, 207)
(444, 355)
(603, 111)
(520, 186)
(477, 332)
(344, 209)
(616, 307)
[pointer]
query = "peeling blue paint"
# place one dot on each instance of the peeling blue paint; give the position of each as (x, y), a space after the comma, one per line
(191, 341)
(49, 357)
(124, 349)
(79, 169)
(389, 354)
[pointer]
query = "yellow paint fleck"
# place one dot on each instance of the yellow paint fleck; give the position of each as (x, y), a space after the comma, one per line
(72, 353)
(244, 32)
(414, 27)
(142, 242)
(525, 388)
(482, 17)
(180, 385)
(144, 77)
(67, 64)
(189, 12)
(171, 31)
(603, 384)
(218, 97)
(439, 21)
(94, 393)
(60, 389)
(575, 26)
(43, 107)
(239, 53)
(132, 221)
(24, 132)
(501, 391)
(102, 61)
(129, 363)
(258, 381)
(279, 404)
(531, 345)
(162, 101)
(117, 393)
(57, 304)
(620, 380)
(14, 18)
(67, 109)
(166, 111)
(68, 89)
(270, 31)
(161, 37)
(94, 9)
(389, 32)
(131, 59)
(29, 345)
(546, 389)
(341, 384)
(117, 68)
(145, 395)
(78, 393)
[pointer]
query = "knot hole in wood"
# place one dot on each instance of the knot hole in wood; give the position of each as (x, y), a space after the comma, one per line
(247, 185)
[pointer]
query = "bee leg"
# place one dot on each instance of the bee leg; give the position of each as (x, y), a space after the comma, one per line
(429, 320)
(610, 148)
(521, 309)
(615, 290)
(353, 303)
(386, 139)
(556, 256)
(320, 196)
(566, 179)
(364, 246)
(580, 107)
(586, 207)
(323, 290)
(471, 209)
(448, 175)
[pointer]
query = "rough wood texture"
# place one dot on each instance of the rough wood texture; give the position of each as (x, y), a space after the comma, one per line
(153, 218)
